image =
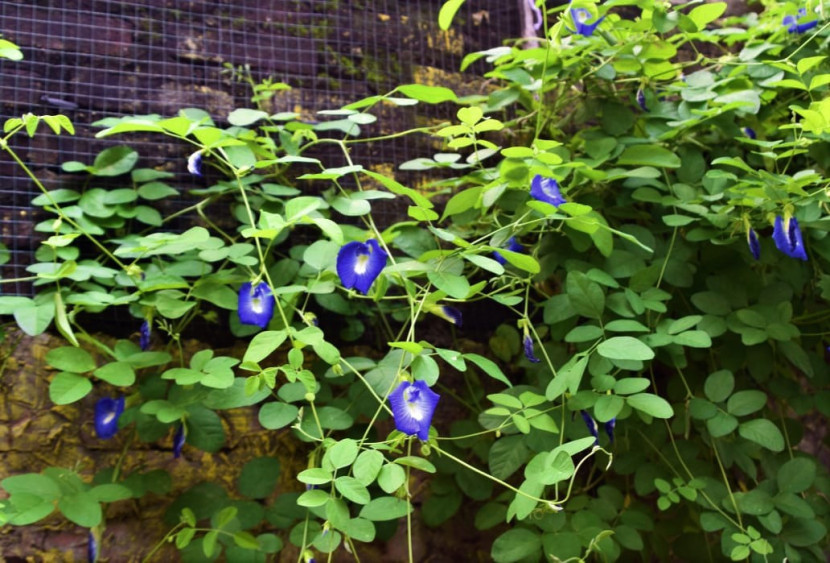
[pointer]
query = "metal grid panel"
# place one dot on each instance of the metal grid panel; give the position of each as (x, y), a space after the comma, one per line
(111, 58)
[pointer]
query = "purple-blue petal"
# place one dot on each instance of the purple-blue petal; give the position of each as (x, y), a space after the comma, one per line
(547, 190)
(754, 244)
(787, 237)
(194, 163)
(749, 132)
(591, 424)
(359, 264)
(538, 19)
(529, 352)
(609, 428)
(256, 304)
(107, 412)
(178, 440)
(792, 25)
(451, 314)
(413, 405)
(91, 548)
(579, 17)
(641, 99)
(144, 338)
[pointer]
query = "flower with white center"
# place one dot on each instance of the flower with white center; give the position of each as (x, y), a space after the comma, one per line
(360, 263)
(413, 405)
(107, 412)
(547, 190)
(580, 16)
(256, 304)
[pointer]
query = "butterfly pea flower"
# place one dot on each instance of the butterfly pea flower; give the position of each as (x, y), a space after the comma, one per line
(449, 314)
(527, 343)
(609, 428)
(754, 245)
(194, 163)
(580, 17)
(591, 424)
(107, 412)
(178, 440)
(512, 245)
(547, 190)
(256, 304)
(787, 237)
(641, 99)
(792, 22)
(413, 405)
(360, 263)
(749, 132)
(92, 546)
(144, 338)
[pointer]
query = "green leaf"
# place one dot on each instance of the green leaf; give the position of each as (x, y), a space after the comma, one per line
(81, 508)
(649, 155)
(706, 13)
(391, 477)
(719, 385)
(489, 367)
(68, 387)
(385, 508)
(263, 344)
(515, 545)
(353, 490)
(428, 94)
(585, 295)
(764, 433)
(447, 13)
(276, 415)
(507, 454)
(315, 476)
(796, 475)
(34, 319)
(120, 374)
(342, 453)
(114, 161)
(453, 285)
(520, 260)
(259, 477)
(204, 429)
(746, 402)
(367, 466)
(42, 486)
(70, 358)
(625, 348)
(242, 117)
(650, 404)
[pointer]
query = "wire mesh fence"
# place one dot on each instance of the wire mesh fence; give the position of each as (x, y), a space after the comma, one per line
(91, 59)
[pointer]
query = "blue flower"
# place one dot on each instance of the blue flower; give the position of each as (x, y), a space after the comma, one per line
(144, 339)
(787, 237)
(547, 190)
(528, 346)
(609, 428)
(92, 547)
(579, 17)
(754, 245)
(256, 306)
(641, 99)
(591, 424)
(412, 406)
(792, 22)
(178, 440)
(107, 412)
(360, 263)
(449, 314)
(513, 246)
(194, 163)
(749, 132)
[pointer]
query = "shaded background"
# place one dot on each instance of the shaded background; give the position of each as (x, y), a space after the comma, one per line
(106, 58)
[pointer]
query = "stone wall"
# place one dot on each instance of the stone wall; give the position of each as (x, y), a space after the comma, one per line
(96, 58)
